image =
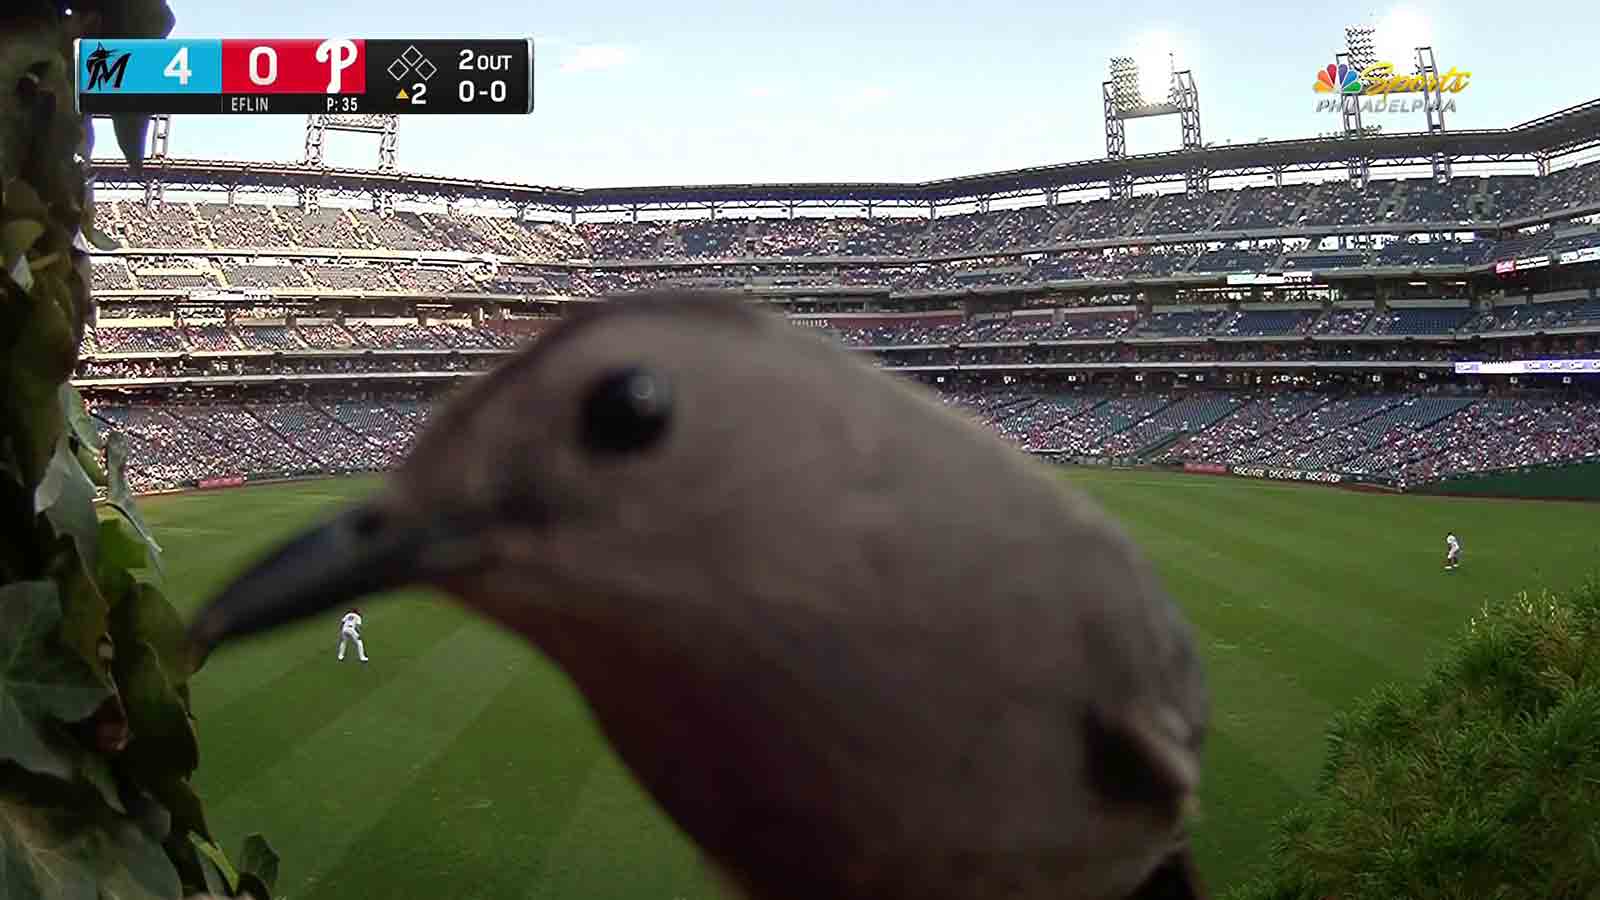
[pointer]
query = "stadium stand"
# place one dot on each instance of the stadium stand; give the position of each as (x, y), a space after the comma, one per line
(254, 340)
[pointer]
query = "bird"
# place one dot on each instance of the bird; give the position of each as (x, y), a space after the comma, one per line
(854, 644)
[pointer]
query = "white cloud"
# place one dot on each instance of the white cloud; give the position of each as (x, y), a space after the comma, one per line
(595, 57)
(868, 95)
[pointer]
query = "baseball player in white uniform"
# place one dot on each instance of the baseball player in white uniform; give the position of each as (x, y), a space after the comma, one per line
(1452, 551)
(350, 630)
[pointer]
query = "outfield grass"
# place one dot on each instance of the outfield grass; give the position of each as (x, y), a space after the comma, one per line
(457, 764)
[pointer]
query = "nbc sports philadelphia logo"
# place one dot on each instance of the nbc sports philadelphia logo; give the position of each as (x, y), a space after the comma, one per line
(1379, 89)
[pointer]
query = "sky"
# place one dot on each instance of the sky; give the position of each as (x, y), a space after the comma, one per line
(634, 92)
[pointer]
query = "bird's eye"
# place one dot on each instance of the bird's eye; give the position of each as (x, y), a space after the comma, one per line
(626, 411)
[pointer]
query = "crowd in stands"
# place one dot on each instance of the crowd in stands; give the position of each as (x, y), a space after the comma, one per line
(198, 432)
(520, 279)
(1413, 437)
(186, 347)
(1467, 200)
(524, 280)
(305, 335)
(224, 367)
(181, 444)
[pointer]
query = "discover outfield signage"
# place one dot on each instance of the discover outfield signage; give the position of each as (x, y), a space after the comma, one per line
(1277, 474)
(1529, 367)
(1260, 278)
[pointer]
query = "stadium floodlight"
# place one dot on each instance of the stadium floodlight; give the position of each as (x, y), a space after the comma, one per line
(1125, 83)
(1125, 97)
(1128, 93)
(1360, 44)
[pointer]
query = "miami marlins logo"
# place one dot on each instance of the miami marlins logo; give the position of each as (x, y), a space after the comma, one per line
(106, 67)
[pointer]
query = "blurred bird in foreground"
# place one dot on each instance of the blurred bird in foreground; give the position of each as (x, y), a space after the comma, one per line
(854, 645)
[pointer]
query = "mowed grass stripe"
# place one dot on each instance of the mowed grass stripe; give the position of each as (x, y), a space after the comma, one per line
(1289, 576)
(434, 774)
(340, 780)
(485, 818)
(251, 729)
(612, 850)
(208, 537)
(1388, 550)
(1242, 792)
(1265, 616)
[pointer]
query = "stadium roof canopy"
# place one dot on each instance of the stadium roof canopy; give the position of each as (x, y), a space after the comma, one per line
(1548, 137)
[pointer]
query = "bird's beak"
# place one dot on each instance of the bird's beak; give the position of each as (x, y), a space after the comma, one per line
(364, 551)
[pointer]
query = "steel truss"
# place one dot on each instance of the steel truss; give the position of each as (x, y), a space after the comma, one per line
(1122, 100)
(156, 154)
(386, 127)
(231, 179)
(1116, 138)
(1433, 106)
(1197, 179)
(1544, 143)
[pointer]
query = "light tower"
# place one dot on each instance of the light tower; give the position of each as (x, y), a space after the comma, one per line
(153, 145)
(386, 127)
(1359, 54)
(1433, 107)
(1124, 100)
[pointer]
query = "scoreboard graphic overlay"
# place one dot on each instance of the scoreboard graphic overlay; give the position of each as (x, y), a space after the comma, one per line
(300, 77)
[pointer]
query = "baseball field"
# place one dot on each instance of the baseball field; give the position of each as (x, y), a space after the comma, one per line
(458, 764)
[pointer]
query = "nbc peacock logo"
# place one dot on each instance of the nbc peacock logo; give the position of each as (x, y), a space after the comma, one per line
(1338, 79)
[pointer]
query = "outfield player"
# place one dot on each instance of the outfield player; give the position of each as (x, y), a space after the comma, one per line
(1452, 551)
(350, 630)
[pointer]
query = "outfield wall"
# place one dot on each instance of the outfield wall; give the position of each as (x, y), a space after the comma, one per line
(1571, 481)
(1560, 481)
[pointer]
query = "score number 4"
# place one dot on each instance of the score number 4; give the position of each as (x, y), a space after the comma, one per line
(179, 67)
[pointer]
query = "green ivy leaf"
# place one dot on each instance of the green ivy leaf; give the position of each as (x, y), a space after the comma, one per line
(179, 798)
(226, 882)
(84, 611)
(44, 852)
(58, 843)
(90, 768)
(17, 237)
(120, 495)
(250, 885)
(259, 859)
(91, 233)
(39, 361)
(122, 551)
(191, 871)
(96, 773)
(146, 617)
(131, 131)
(23, 201)
(39, 679)
(78, 420)
(148, 813)
(91, 465)
(163, 741)
(100, 240)
(66, 498)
